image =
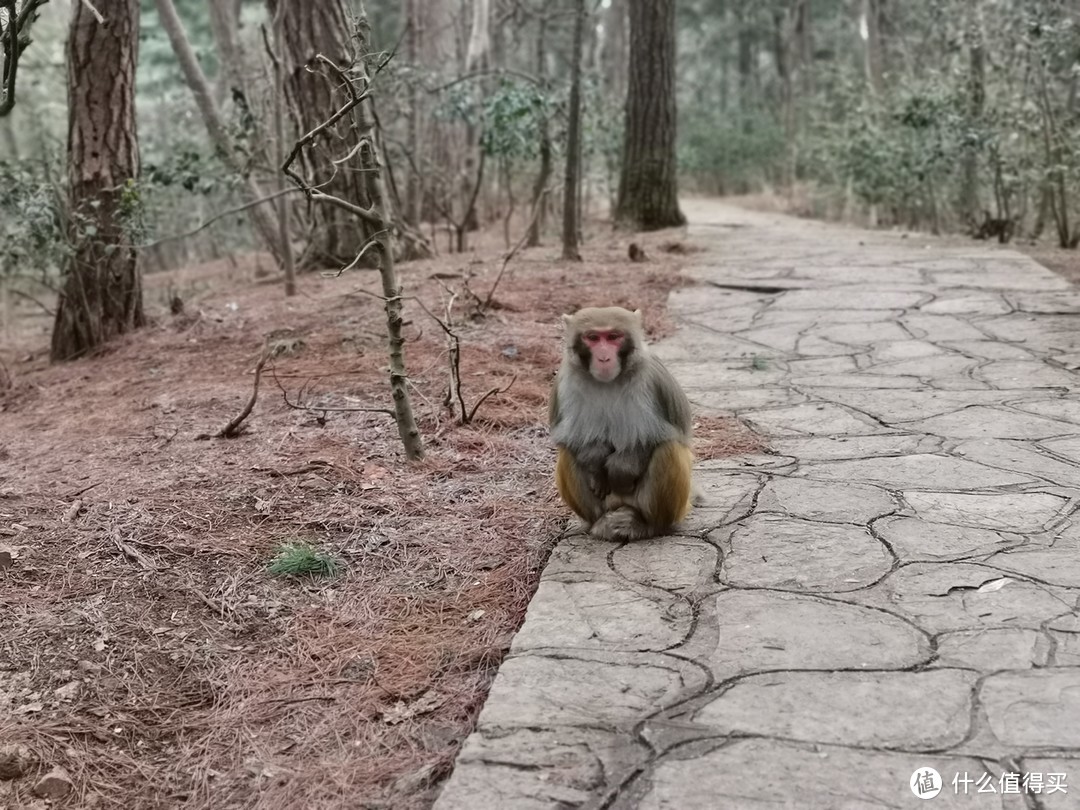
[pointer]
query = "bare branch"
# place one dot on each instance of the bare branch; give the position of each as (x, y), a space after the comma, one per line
(216, 217)
(97, 14)
(17, 32)
(480, 74)
(538, 206)
(232, 429)
(491, 393)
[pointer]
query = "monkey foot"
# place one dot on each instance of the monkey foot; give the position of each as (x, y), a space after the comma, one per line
(622, 524)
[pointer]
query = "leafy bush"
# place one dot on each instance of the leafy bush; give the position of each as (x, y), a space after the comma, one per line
(729, 155)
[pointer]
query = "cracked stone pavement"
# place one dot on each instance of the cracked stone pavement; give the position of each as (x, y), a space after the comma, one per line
(893, 586)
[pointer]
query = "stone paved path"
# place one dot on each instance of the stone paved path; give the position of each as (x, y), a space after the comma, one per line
(894, 588)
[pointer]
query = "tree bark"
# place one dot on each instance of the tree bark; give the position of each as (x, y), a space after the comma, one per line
(371, 170)
(573, 145)
(224, 25)
(262, 216)
(102, 293)
(284, 204)
(310, 28)
(870, 31)
(414, 189)
(536, 226)
(648, 186)
(976, 101)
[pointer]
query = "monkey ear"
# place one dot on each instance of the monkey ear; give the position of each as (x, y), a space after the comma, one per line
(566, 321)
(637, 316)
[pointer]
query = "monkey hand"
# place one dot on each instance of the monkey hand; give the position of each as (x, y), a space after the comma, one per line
(590, 461)
(624, 469)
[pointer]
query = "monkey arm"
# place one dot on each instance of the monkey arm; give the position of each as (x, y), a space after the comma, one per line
(553, 404)
(625, 467)
(591, 459)
(672, 401)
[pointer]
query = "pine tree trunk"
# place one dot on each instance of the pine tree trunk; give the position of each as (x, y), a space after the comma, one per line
(310, 28)
(976, 101)
(648, 186)
(414, 189)
(102, 293)
(872, 55)
(573, 145)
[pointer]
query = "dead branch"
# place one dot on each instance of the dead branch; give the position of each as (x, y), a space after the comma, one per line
(48, 310)
(94, 11)
(322, 409)
(480, 74)
(455, 366)
(17, 32)
(369, 159)
(72, 511)
(132, 553)
(538, 206)
(491, 393)
(221, 215)
(232, 429)
(355, 99)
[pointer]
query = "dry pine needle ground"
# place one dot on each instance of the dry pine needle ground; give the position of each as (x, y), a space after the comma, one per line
(145, 649)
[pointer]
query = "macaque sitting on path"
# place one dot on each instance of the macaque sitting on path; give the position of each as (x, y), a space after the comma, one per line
(622, 425)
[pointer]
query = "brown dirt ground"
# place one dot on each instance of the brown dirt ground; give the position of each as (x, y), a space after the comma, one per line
(187, 675)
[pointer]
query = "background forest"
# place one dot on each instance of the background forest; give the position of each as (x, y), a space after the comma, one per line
(938, 114)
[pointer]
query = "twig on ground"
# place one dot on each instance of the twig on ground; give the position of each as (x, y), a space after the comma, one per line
(232, 429)
(72, 511)
(133, 553)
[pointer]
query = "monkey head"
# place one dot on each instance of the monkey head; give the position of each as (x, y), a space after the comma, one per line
(605, 342)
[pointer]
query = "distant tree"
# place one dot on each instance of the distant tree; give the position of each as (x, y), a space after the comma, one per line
(15, 21)
(309, 28)
(102, 291)
(648, 185)
(573, 145)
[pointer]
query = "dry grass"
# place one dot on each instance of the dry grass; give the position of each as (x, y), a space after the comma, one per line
(140, 552)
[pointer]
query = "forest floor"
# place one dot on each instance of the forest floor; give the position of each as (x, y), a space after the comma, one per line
(144, 646)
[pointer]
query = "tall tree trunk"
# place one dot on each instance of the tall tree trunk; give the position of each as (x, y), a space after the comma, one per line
(746, 46)
(573, 145)
(976, 100)
(536, 226)
(648, 187)
(414, 189)
(615, 50)
(225, 25)
(262, 216)
(284, 204)
(310, 28)
(870, 32)
(102, 294)
(783, 52)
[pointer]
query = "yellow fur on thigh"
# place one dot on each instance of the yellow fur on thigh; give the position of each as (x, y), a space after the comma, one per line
(566, 481)
(668, 498)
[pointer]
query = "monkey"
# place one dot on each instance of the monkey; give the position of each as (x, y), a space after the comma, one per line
(622, 425)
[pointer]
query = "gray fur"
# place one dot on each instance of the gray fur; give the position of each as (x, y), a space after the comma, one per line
(630, 412)
(612, 428)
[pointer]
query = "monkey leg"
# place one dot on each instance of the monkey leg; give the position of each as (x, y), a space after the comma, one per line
(573, 484)
(661, 500)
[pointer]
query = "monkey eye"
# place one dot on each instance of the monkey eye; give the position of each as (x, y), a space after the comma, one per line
(591, 337)
(615, 337)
